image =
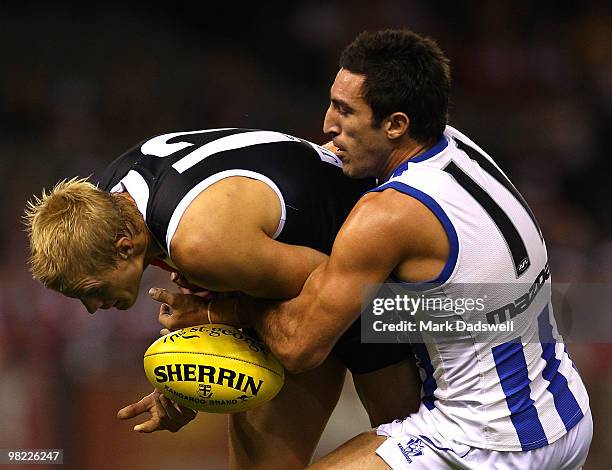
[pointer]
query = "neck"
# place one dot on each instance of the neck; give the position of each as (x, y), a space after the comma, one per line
(152, 250)
(402, 154)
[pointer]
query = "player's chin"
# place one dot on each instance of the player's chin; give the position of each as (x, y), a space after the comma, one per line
(352, 172)
(347, 168)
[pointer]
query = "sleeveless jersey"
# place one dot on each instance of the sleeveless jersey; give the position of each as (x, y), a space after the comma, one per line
(508, 391)
(166, 173)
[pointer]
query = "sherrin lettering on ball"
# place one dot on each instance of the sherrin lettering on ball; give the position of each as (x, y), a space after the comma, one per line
(213, 368)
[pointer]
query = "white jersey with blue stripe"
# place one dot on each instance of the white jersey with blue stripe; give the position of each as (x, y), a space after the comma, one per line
(500, 391)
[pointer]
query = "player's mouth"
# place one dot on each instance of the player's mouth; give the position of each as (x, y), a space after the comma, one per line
(119, 305)
(340, 151)
(124, 304)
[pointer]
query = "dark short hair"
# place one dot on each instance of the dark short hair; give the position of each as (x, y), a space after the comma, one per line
(404, 72)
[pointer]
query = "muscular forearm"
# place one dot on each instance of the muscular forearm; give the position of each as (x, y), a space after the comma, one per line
(288, 336)
(302, 331)
(286, 330)
(286, 327)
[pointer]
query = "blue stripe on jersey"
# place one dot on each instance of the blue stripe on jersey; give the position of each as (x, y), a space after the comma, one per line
(430, 152)
(424, 362)
(434, 207)
(512, 371)
(565, 402)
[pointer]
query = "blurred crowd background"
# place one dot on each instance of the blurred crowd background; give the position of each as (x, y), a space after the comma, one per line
(532, 84)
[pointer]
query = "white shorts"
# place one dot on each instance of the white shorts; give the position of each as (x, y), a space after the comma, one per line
(411, 444)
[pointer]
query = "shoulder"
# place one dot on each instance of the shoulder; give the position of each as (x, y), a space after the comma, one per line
(388, 208)
(391, 219)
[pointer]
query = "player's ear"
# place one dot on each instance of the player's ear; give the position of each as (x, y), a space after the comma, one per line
(396, 125)
(125, 247)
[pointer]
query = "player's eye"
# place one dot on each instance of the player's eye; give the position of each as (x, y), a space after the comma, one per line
(341, 109)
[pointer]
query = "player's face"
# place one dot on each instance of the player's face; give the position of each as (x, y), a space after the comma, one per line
(362, 146)
(115, 288)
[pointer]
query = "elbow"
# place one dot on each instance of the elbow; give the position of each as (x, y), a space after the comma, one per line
(296, 360)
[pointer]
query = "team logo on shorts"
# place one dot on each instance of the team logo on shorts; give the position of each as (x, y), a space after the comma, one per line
(414, 448)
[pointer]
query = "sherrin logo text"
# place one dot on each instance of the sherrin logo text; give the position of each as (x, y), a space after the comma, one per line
(207, 374)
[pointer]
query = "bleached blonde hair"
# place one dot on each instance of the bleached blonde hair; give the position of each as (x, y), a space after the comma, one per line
(72, 232)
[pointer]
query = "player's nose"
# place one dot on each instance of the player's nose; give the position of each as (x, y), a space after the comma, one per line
(330, 123)
(91, 305)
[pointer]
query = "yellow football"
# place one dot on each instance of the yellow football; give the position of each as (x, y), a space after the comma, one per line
(213, 368)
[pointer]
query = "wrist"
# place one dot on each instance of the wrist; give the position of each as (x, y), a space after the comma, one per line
(225, 310)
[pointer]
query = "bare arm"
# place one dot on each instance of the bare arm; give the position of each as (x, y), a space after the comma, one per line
(224, 243)
(383, 231)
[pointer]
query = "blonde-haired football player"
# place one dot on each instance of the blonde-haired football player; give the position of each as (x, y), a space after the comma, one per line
(230, 210)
